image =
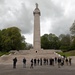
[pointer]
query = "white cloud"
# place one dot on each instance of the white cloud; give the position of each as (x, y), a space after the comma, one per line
(56, 15)
(29, 38)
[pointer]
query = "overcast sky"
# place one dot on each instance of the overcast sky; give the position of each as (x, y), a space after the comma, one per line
(56, 17)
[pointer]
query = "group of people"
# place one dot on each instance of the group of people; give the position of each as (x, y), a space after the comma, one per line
(15, 61)
(52, 61)
(63, 61)
(45, 61)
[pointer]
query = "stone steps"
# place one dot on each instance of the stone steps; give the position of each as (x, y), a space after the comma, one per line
(7, 59)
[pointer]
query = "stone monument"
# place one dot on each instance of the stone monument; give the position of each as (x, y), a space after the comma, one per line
(36, 38)
(36, 52)
(36, 43)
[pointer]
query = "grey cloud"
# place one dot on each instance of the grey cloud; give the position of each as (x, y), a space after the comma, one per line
(62, 26)
(20, 18)
(51, 10)
(2, 1)
(23, 18)
(61, 23)
(24, 21)
(3, 8)
(48, 8)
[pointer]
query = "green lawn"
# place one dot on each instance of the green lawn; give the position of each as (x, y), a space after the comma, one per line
(70, 53)
(2, 53)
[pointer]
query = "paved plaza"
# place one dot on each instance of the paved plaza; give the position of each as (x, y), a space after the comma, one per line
(37, 70)
(6, 61)
(6, 66)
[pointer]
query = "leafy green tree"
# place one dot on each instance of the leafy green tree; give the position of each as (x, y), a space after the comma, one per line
(72, 29)
(11, 39)
(54, 41)
(73, 44)
(0, 41)
(65, 42)
(29, 46)
(45, 42)
(50, 41)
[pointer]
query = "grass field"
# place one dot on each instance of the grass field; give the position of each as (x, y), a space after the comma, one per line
(2, 53)
(69, 53)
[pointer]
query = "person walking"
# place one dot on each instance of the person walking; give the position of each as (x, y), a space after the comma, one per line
(31, 63)
(24, 62)
(41, 61)
(59, 62)
(34, 62)
(14, 62)
(66, 61)
(70, 61)
(38, 61)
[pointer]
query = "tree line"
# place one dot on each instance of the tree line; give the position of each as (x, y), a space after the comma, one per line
(11, 39)
(65, 42)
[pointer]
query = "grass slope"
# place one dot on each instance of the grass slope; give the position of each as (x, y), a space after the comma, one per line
(70, 53)
(2, 53)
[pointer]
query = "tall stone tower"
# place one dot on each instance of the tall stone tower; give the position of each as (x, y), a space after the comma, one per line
(36, 13)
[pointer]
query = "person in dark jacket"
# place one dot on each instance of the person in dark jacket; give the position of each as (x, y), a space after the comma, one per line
(38, 61)
(41, 61)
(51, 63)
(55, 59)
(59, 62)
(31, 63)
(34, 62)
(24, 62)
(66, 61)
(70, 60)
(14, 62)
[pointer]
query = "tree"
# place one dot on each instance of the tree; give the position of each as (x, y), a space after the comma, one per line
(50, 41)
(65, 42)
(11, 39)
(29, 46)
(45, 42)
(72, 29)
(54, 41)
(0, 41)
(73, 44)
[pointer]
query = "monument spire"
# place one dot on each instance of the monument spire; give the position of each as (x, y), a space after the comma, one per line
(37, 43)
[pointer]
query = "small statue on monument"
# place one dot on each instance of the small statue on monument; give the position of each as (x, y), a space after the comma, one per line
(36, 5)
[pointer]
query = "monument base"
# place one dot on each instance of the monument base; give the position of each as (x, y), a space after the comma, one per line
(28, 54)
(32, 52)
